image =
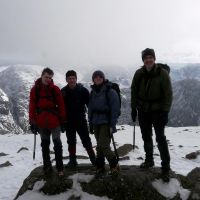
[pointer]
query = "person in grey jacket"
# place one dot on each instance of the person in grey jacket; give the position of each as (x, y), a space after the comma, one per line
(103, 112)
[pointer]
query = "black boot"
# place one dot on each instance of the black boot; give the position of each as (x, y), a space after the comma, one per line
(47, 167)
(72, 161)
(58, 154)
(114, 167)
(92, 156)
(100, 166)
(165, 175)
(147, 164)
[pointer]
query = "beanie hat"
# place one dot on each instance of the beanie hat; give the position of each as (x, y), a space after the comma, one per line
(148, 52)
(98, 73)
(71, 73)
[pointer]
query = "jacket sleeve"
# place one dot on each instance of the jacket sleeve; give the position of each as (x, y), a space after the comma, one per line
(134, 88)
(90, 109)
(114, 104)
(61, 105)
(167, 92)
(86, 96)
(32, 106)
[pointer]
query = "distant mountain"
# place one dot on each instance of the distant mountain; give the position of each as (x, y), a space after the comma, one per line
(189, 71)
(185, 109)
(16, 82)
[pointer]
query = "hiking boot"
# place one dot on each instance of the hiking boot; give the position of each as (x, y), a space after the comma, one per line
(146, 165)
(93, 161)
(165, 176)
(115, 170)
(100, 171)
(47, 170)
(72, 163)
(61, 173)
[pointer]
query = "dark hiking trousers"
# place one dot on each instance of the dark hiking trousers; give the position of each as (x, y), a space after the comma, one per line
(155, 119)
(82, 129)
(103, 138)
(45, 143)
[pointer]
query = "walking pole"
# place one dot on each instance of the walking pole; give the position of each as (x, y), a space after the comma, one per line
(113, 141)
(34, 147)
(133, 136)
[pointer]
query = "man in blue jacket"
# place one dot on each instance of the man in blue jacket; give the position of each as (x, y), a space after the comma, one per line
(103, 111)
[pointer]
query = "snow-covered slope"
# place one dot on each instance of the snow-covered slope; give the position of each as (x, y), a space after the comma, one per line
(7, 123)
(181, 142)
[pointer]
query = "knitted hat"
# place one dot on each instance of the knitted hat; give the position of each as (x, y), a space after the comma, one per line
(148, 52)
(98, 73)
(71, 73)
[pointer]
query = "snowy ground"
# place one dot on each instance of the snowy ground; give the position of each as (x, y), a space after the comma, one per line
(11, 178)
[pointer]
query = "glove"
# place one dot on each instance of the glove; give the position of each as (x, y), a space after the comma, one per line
(91, 129)
(113, 129)
(33, 128)
(134, 115)
(63, 127)
(164, 117)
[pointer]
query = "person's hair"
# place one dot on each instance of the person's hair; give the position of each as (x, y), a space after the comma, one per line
(48, 71)
(70, 73)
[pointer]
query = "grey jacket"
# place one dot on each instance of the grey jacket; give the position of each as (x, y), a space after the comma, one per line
(102, 109)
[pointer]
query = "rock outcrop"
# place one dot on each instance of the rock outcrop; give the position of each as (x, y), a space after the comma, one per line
(131, 183)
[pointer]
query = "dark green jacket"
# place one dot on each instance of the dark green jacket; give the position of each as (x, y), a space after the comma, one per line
(151, 91)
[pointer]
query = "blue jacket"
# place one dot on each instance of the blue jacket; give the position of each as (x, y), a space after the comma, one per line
(102, 109)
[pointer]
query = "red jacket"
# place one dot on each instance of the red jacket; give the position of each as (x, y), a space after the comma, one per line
(47, 110)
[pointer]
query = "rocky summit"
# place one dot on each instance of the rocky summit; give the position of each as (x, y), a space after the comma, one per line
(132, 183)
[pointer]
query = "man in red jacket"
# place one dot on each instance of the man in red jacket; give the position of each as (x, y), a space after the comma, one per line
(47, 116)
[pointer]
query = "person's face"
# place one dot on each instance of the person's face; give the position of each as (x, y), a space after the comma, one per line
(71, 81)
(149, 62)
(46, 78)
(98, 80)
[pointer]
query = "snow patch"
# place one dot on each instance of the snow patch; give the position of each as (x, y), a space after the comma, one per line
(169, 190)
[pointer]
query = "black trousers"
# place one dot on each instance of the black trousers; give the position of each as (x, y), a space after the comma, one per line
(82, 129)
(155, 119)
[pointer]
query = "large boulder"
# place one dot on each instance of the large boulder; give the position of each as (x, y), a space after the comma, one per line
(81, 183)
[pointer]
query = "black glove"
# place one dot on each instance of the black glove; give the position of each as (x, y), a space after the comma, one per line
(164, 117)
(91, 129)
(113, 129)
(33, 128)
(134, 115)
(63, 127)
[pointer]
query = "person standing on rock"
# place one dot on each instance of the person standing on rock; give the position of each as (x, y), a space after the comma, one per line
(47, 116)
(151, 99)
(103, 112)
(76, 98)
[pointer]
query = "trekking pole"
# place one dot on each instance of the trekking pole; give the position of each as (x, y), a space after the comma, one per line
(133, 136)
(113, 141)
(34, 147)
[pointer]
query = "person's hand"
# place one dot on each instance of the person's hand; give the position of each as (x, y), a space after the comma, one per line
(134, 115)
(164, 117)
(63, 127)
(34, 129)
(113, 129)
(91, 129)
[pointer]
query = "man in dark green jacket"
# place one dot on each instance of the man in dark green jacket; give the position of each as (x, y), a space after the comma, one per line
(151, 99)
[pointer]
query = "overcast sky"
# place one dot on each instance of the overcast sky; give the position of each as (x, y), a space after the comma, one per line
(98, 32)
